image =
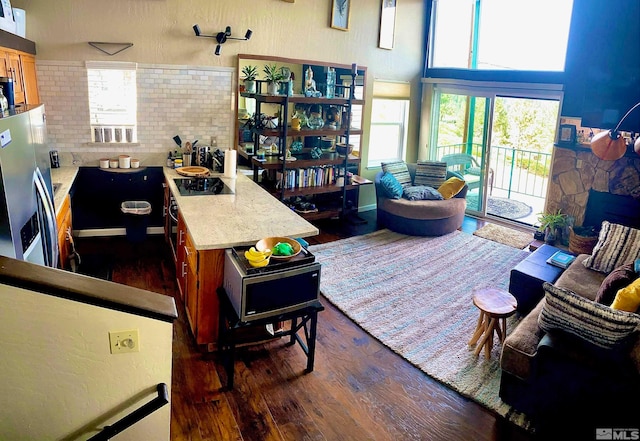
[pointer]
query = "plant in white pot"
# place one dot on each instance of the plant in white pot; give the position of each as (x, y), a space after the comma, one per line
(273, 76)
(250, 74)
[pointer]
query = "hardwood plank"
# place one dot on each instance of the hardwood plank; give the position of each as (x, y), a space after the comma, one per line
(358, 390)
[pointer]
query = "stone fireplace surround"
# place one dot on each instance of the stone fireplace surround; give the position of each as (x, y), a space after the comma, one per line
(577, 171)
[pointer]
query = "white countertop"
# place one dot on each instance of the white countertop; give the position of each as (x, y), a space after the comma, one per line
(65, 177)
(224, 221)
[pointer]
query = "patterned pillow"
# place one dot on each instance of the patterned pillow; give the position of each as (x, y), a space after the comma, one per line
(399, 170)
(421, 193)
(616, 246)
(591, 321)
(391, 186)
(431, 174)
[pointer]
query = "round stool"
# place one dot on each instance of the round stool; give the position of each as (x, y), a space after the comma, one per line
(495, 306)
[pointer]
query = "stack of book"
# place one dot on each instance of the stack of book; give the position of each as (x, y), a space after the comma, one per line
(561, 259)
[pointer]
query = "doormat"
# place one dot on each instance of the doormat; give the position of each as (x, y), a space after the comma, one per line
(505, 235)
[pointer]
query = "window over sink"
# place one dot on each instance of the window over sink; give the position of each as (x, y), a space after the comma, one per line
(112, 101)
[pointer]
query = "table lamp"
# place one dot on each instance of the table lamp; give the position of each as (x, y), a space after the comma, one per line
(610, 145)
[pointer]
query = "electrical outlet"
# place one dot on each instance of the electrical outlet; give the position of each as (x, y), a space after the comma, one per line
(124, 341)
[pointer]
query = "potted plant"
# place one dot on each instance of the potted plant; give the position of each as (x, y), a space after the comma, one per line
(551, 223)
(250, 74)
(273, 75)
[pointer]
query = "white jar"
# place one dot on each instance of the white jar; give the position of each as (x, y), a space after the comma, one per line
(135, 163)
(104, 163)
(124, 161)
(113, 163)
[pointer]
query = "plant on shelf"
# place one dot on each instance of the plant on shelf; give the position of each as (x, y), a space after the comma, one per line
(273, 75)
(551, 224)
(250, 74)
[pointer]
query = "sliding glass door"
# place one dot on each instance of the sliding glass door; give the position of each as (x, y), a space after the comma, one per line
(500, 142)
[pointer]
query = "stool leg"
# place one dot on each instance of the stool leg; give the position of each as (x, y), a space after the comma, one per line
(504, 329)
(479, 330)
(488, 334)
(312, 341)
(499, 331)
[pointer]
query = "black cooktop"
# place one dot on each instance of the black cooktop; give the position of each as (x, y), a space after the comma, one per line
(201, 186)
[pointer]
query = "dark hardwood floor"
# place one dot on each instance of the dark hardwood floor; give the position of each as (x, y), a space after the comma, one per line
(359, 390)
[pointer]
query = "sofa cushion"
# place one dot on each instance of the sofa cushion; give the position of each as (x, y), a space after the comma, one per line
(400, 170)
(430, 173)
(616, 246)
(421, 193)
(392, 188)
(591, 321)
(628, 298)
(451, 187)
(616, 280)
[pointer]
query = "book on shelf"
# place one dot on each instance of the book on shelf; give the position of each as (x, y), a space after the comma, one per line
(561, 259)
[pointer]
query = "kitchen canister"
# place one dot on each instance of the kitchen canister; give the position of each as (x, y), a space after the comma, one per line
(124, 161)
(135, 163)
(104, 163)
(113, 163)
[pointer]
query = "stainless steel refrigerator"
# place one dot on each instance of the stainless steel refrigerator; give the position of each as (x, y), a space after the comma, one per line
(27, 216)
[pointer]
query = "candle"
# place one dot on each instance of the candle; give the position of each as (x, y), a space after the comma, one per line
(354, 69)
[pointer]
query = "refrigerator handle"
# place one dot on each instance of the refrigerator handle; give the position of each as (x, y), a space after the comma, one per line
(50, 219)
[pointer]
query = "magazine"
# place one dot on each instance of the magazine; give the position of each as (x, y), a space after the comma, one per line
(561, 259)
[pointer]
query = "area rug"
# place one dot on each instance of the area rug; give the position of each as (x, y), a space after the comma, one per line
(503, 207)
(414, 294)
(504, 235)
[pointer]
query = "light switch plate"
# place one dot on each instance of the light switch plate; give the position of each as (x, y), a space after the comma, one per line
(124, 341)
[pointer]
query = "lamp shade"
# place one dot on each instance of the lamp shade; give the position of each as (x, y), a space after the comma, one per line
(608, 145)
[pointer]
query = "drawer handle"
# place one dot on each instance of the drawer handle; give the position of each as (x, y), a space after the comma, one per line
(184, 269)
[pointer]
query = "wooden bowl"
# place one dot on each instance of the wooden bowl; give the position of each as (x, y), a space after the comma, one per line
(344, 149)
(270, 242)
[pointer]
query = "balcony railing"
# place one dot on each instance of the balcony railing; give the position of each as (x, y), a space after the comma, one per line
(514, 170)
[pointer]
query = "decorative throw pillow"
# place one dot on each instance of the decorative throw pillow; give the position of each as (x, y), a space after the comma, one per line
(616, 280)
(391, 186)
(451, 187)
(399, 170)
(591, 321)
(432, 174)
(421, 193)
(616, 246)
(628, 298)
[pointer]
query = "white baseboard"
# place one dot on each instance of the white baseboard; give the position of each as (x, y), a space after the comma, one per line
(104, 232)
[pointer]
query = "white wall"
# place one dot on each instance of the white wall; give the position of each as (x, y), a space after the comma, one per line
(161, 33)
(57, 374)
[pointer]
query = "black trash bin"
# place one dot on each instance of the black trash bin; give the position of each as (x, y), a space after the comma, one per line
(136, 219)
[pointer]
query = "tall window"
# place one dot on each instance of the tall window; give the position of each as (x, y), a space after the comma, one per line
(520, 35)
(112, 101)
(389, 113)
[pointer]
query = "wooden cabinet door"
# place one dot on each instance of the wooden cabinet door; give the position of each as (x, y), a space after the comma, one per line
(15, 66)
(28, 63)
(4, 64)
(191, 284)
(181, 258)
(63, 220)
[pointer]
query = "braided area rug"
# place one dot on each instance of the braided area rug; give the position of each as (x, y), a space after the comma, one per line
(414, 294)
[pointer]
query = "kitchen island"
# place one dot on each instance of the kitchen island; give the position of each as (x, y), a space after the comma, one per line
(207, 225)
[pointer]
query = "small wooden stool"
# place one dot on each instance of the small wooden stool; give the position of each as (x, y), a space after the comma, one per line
(495, 305)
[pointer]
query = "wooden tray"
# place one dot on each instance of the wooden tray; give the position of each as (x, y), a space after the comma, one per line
(193, 171)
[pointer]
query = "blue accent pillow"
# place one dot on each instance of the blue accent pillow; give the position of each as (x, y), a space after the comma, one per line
(422, 193)
(392, 188)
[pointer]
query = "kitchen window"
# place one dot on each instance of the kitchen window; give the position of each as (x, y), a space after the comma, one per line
(112, 101)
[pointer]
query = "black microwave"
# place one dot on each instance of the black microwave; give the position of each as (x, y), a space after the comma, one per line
(270, 293)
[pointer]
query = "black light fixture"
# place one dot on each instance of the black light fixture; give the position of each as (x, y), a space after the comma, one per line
(222, 37)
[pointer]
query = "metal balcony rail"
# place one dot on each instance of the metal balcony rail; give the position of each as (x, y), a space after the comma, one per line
(140, 413)
(515, 170)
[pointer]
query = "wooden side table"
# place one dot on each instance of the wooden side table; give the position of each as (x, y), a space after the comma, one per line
(495, 306)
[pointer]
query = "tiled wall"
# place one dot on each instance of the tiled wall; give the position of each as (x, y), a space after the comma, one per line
(190, 101)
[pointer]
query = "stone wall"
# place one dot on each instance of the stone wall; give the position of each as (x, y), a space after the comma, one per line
(574, 173)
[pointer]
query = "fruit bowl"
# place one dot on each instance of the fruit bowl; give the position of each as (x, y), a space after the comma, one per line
(269, 243)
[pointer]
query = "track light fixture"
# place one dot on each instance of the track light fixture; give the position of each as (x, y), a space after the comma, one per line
(222, 37)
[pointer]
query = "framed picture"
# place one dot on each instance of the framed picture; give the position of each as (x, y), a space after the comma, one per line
(567, 134)
(7, 22)
(387, 24)
(340, 12)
